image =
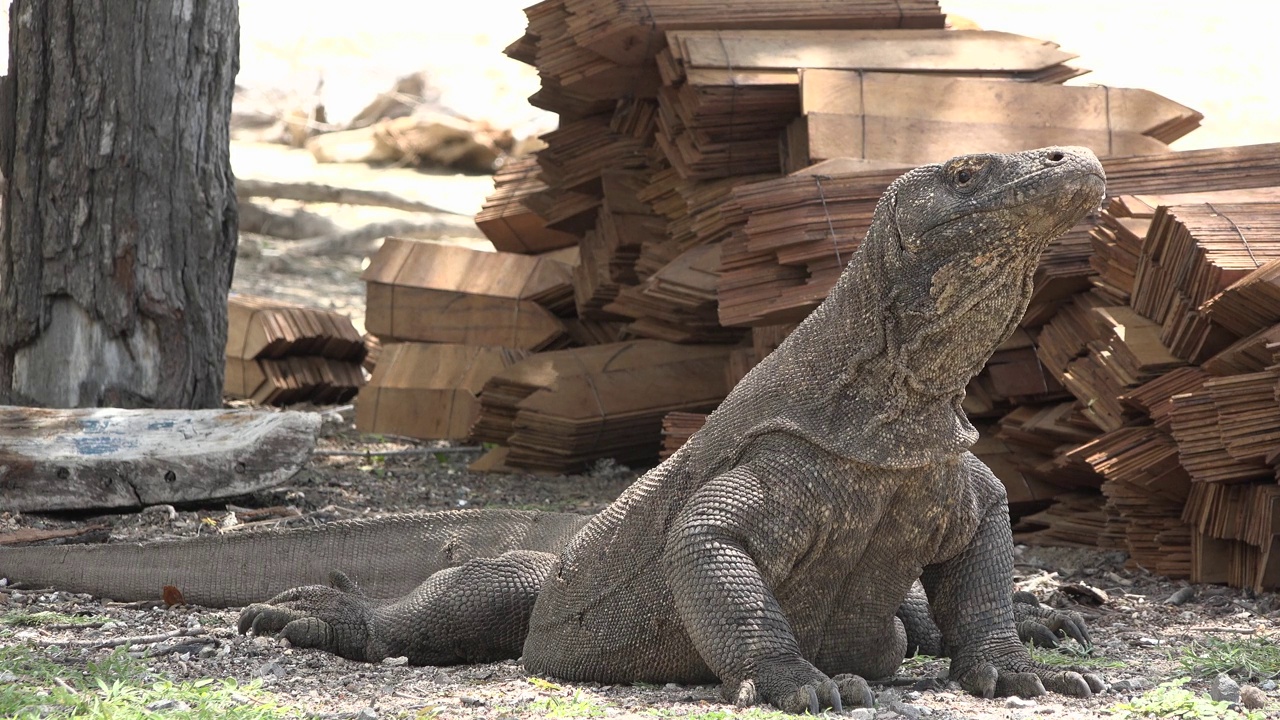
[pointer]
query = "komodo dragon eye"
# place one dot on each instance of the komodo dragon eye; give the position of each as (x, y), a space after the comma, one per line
(964, 176)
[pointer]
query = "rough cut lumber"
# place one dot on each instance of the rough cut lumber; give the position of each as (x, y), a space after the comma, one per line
(728, 94)
(281, 353)
(1236, 531)
(266, 328)
(508, 218)
(979, 52)
(786, 233)
(429, 292)
(429, 391)
(1026, 491)
(822, 136)
(1073, 520)
(622, 30)
(560, 411)
(1041, 435)
(112, 458)
(1145, 491)
(968, 101)
(289, 380)
(1130, 355)
(677, 428)
(1194, 252)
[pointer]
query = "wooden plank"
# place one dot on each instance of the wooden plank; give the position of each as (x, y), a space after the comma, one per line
(971, 101)
(917, 141)
(931, 50)
(429, 391)
(112, 458)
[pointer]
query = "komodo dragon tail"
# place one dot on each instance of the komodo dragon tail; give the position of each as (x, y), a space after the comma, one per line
(386, 556)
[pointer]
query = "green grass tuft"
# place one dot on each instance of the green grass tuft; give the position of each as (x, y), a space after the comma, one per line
(577, 705)
(120, 688)
(1246, 659)
(1071, 657)
(1173, 700)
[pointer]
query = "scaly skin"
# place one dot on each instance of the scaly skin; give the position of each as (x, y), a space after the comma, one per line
(781, 551)
(776, 548)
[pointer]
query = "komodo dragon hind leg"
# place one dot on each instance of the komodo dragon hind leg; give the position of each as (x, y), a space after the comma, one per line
(475, 612)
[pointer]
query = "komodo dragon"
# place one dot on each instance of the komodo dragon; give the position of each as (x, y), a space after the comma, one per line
(773, 551)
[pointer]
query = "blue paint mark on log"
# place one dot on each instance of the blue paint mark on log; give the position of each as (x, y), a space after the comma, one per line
(91, 425)
(161, 425)
(97, 444)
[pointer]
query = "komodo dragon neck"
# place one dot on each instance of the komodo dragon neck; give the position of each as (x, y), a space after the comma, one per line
(945, 264)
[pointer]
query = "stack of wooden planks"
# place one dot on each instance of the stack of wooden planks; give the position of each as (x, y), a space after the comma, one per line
(715, 166)
(561, 411)
(429, 292)
(280, 353)
(429, 390)
(1184, 378)
(677, 428)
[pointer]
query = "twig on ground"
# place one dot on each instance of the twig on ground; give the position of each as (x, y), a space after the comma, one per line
(396, 453)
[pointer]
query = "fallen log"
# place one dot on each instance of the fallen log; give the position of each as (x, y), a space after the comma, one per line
(111, 458)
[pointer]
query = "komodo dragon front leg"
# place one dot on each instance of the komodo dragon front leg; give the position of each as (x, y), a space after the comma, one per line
(1037, 624)
(971, 603)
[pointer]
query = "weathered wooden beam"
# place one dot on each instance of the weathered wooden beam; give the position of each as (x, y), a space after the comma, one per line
(112, 458)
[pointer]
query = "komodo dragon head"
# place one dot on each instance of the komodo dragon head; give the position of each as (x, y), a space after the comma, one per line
(961, 241)
(878, 372)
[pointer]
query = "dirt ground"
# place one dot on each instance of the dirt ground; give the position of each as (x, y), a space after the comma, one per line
(1139, 638)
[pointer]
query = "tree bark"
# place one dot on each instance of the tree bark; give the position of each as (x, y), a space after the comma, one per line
(119, 232)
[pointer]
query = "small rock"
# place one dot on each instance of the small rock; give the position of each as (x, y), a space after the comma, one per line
(913, 712)
(8, 677)
(1224, 688)
(168, 705)
(1252, 698)
(671, 686)
(1147, 642)
(470, 701)
(367, 714)
(1017, 702)
(1187, 617)
(1181, 597)
(860, 713)
(1267, 685)
(270, 668)
(395, 661)
(1130, 685)
(926, 684)
(887, 715)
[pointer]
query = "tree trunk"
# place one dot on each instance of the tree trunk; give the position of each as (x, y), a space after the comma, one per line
(119, 218)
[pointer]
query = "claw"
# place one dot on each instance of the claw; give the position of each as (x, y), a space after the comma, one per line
(854, 691)
(829, 695)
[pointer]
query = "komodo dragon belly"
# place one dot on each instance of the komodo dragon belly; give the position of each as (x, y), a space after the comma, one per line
(606, 614)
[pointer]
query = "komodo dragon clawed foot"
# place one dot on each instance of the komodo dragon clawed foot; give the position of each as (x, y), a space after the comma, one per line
(1037, 624)
(336, 619)
(812, 694)
(1004, 673)
(1043, 626)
